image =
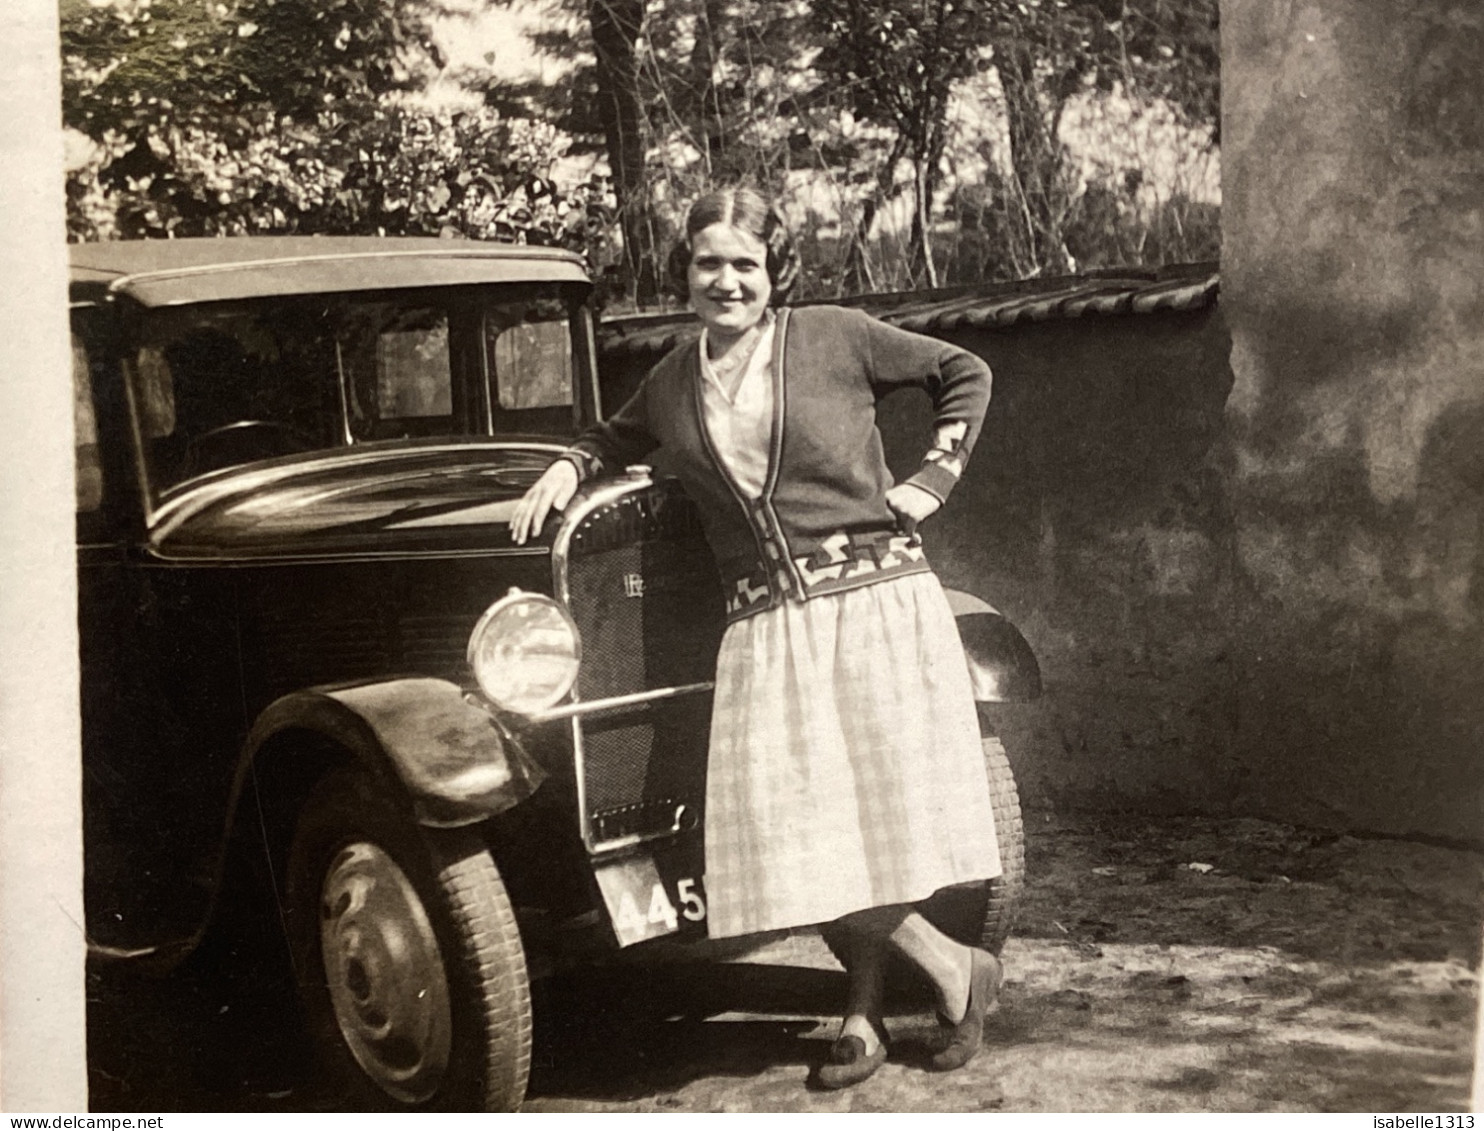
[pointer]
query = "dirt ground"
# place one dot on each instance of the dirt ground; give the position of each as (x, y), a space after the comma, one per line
(1159, 965)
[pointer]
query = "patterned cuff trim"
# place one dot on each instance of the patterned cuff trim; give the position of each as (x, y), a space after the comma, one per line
(935, 479)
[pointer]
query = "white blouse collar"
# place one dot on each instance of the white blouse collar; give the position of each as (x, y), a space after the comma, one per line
(761, 357)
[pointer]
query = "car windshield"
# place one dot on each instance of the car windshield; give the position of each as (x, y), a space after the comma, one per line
(223, 384)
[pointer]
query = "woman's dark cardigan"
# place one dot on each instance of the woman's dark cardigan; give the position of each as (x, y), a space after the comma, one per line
(821, 524)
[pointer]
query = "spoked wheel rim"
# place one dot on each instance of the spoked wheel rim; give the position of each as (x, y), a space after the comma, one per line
(385, 973)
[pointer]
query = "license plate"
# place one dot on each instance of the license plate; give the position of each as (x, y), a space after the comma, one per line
(644, 904)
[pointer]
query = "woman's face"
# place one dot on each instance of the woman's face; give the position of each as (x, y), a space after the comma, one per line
(728, 276)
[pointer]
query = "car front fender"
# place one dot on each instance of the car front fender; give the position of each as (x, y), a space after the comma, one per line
(455, 766)
(1002, 666)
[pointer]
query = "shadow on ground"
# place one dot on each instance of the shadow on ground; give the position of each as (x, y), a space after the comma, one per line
(1175, 965)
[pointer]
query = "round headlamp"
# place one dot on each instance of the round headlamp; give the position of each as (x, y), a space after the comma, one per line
(524, 653)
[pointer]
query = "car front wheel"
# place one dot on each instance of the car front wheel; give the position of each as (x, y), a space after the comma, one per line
(1004, 891)
(982, 913)
(408, 956)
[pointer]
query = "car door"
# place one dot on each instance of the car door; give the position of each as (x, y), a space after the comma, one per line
(157, 655)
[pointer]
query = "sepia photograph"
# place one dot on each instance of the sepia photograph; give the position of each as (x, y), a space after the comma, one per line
(747, 556)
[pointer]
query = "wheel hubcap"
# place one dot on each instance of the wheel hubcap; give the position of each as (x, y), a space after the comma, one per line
(385, 973)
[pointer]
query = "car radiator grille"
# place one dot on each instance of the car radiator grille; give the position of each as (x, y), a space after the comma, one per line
(643, 589)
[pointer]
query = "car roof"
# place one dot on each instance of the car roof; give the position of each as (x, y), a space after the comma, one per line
(174, 272)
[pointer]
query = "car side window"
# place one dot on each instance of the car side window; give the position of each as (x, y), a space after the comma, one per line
(528, 354)
(85, 430)
(397, 372)
(412, 373)
(156, 392)
(533, 365)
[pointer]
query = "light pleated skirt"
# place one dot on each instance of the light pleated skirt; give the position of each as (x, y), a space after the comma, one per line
(845, 766)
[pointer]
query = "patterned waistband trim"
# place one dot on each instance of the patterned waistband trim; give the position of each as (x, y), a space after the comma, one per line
(843, 561)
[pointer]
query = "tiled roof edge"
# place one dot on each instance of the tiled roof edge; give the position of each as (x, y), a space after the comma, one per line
(993, 306)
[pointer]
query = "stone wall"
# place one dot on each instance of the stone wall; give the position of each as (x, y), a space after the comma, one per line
(1353, 284)
(1247, 541)
(1095, 515)
(1103, 512)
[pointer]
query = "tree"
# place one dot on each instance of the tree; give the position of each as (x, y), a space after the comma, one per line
(668, 92)
(1048, 51)
(898, 61)
(395, 170)
(615, 28)
(850, 92)
(272, 116)
(132, 67)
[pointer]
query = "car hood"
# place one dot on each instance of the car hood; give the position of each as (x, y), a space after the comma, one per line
(363, 501)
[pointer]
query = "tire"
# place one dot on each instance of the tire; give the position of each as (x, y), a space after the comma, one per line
(982, 913)
(407, 955)
(1004, 891)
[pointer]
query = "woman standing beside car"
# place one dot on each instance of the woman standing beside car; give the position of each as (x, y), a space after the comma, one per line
(845, 778)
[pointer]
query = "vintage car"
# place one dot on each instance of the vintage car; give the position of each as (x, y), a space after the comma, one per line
(322, 690)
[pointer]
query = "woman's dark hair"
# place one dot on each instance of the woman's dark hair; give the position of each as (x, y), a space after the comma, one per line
(747, 210)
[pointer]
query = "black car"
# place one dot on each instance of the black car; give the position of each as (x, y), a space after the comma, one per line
(312, 656)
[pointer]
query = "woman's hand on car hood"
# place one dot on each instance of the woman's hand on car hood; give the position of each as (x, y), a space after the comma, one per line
(553, 491)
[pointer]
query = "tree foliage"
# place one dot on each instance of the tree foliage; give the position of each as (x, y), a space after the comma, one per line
(858, 101)
(915, 142)
(899, 61)
(132, 66)
(274, 116)
(1048, 52)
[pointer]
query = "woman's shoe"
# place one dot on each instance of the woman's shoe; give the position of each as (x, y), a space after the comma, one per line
(966, 1037)
(849, 1062)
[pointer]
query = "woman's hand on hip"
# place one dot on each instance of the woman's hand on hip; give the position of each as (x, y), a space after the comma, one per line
(912, 505)
(553, 491)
